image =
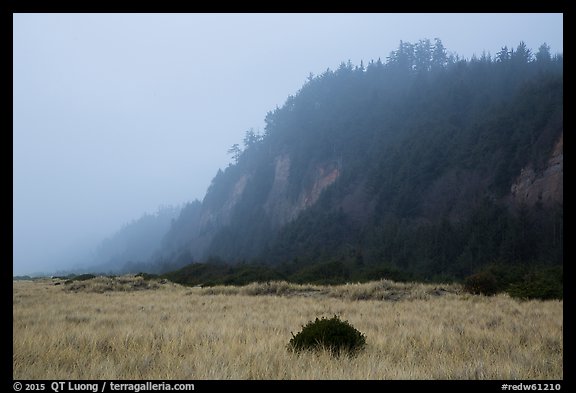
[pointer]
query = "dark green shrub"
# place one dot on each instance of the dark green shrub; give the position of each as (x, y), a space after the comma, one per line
(506, 274)
(545, 284)
(334, 335)
(83, 277)
(146, 276)
(484, 283)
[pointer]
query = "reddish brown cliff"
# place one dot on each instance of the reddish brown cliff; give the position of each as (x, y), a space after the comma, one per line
(546, 185)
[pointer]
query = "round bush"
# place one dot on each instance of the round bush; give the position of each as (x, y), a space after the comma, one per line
(483, 283)
(332, 334)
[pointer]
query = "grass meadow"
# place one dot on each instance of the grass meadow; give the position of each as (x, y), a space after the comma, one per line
(128, 328)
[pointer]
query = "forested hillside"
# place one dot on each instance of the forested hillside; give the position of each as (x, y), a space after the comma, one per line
(423, 165)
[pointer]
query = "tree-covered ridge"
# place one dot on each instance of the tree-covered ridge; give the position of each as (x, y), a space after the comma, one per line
(426, 147)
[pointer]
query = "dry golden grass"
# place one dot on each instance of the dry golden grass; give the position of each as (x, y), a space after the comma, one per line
(415, 331)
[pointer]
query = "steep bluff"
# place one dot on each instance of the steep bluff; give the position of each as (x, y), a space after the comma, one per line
(222, 212)
(388, 167)
(282, 209)
(546, 185)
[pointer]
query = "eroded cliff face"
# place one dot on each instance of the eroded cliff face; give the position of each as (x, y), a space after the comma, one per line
(324, 175)
(545, 186)
(277, 205)
(220, 217)
(280, 207)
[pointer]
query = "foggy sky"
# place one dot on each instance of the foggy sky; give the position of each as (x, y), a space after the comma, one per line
(117, 114)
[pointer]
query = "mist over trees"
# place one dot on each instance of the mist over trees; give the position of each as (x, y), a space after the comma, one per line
(133, 245)
(423, 150)
(427, 147)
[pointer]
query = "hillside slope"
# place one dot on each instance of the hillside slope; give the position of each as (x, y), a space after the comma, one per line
(424, 164)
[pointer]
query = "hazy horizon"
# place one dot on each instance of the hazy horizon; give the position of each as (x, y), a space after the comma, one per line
(117, 114)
